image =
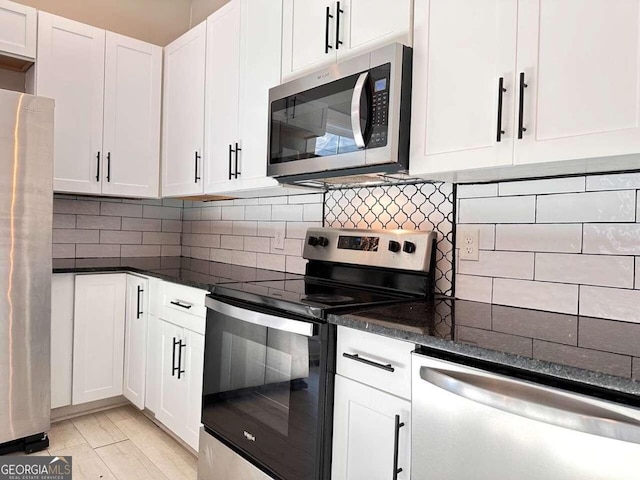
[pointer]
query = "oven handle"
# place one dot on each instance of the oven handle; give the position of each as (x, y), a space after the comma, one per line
(263, 319)
(358, 135)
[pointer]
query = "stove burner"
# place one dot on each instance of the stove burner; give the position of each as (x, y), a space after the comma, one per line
(326, 298)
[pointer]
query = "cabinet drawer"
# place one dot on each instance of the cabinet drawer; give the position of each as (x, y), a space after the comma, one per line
(184, 306)
(381, 362)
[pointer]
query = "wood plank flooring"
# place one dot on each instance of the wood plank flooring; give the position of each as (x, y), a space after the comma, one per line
(120, 444)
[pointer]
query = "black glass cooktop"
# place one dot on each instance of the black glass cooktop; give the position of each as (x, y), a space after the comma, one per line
(308, 296)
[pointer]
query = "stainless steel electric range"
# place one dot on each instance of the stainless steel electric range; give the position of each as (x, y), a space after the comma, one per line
(270, 355)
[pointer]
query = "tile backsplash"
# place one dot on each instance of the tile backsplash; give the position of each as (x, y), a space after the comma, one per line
(243, 231)
(85, 227)
(567, 245)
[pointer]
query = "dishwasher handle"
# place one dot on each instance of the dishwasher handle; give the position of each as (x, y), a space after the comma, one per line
(535, 402)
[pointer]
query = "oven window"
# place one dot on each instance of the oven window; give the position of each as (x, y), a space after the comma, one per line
(262, 391)
(315, 123)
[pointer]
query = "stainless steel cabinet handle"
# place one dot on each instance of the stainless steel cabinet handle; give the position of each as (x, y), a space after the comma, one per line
(178, 303)
(396, 445)
(358, 358)
(535, 402)
(358, 135)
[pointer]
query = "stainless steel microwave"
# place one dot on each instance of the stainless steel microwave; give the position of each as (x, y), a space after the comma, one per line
(351, 118)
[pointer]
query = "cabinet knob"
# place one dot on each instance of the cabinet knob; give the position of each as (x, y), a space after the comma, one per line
(394, 246)
(409, 247)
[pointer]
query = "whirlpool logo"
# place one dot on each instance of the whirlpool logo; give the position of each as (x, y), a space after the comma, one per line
(35, 468)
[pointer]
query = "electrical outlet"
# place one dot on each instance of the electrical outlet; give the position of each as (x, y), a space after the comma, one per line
(469, 239)
(278, 239)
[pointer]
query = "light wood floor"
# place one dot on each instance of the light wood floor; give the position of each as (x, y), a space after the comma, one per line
(120, 444)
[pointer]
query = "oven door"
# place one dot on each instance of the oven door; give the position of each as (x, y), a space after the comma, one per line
(264, 388)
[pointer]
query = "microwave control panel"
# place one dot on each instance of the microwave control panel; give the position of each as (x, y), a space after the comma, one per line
(380, 85)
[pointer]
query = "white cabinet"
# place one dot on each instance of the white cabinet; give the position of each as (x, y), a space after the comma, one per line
(183, 115)
(321, 32)
(62, 297)
(17, 30)
(367, 425)
(179, 398)
(135, 340)
(70, 69)
(243, 62)
(107, 107)
(152, 372)
(581, 65)
(464, 51)
(98, 336)
(570, 102)
(132, 90)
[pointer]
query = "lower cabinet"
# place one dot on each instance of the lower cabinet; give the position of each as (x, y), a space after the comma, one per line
(370, 426)
(179, 392)
(135, 340)
(98, 336)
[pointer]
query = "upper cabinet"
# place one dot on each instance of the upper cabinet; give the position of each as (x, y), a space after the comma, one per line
(17, 30)
(321, 32)
(107, 108)
(521, 82)
(216, 101)
(183, 116)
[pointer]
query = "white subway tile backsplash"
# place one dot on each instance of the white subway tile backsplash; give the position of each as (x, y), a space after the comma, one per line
(233, 213)
(232, 242)
(292, 246)
(96, 222)
(312, 212)
(64, 220)
(142, 224)
(487, 235)
(223, 227)
(620, 181)
(172, 226)
(295, 265)
(202, 227)
(299, 229)
(63, 250)
(556, 297)
(258, 212)
(211, 213)
(170, 250)
(553, 185)
(269, 229)
(80, 207)
(271, 262)
(477, 289)
(222, 256)
(245, 228)
(247, 259)
(120, 237)
(192, 213)
(637, 270)
(612, 303)
(306, 198)
(612, 239)
(164, 213)
(618, 206)
(499, 264)
(157, 238)
(98, 251)
(200, 253)
(76, 236)
(257, 244)
(498, 210)
(246, 201)
(292, 213)
(120, 209)
(478, 190)
(281, 200)
(562, 238)
(611, 271)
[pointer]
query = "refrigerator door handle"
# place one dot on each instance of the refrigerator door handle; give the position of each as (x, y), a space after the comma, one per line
(535, 402)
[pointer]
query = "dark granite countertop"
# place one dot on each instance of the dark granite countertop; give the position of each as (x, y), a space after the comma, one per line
(600, 354)
(186, 271)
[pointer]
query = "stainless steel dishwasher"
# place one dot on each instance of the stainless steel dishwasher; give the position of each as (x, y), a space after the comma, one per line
(470, 424)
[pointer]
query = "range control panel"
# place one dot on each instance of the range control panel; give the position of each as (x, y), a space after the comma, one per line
(399, 249)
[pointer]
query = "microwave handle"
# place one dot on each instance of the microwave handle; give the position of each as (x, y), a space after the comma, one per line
(355, 110)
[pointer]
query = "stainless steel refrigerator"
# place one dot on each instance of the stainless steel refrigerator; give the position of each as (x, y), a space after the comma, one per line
(26, 197)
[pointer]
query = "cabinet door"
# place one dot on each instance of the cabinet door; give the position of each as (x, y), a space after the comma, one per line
(18, 29)
(70, 69)
(133, 77)
(98, 336)
(364, 428)
(308, 40)
(193, 366)
(462, 50)
(183, 114)
(581, 65)
(62, 296)
(172, 393)
(367, 24)
(154, 355)
(135, 340)
(222, 93)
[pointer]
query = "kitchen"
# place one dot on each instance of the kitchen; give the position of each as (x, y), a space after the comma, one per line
(347, 240)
